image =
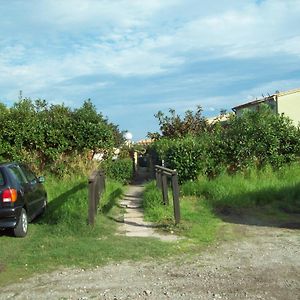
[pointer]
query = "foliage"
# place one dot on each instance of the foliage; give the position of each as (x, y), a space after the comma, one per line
(261, 138)
(46, 135)
(274, 189)
(192, 156)
(174, 126)
(257, 138)
(197, 219)
(119, 169)
(61, 237)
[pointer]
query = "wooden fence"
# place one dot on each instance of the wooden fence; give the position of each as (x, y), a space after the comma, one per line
(162, 174)
(96, 187)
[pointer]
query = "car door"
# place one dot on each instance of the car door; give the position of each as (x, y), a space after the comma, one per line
(36, 189)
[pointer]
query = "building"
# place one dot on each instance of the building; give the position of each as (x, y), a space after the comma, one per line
(222, 118)
(286, 103)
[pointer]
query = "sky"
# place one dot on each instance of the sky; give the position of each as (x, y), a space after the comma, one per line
(133, 58)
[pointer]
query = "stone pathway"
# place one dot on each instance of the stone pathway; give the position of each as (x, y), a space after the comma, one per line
(134, 224)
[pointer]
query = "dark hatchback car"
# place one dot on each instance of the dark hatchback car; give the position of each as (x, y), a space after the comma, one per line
(22, 197)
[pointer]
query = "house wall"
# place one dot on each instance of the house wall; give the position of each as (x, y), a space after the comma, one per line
(289, 105)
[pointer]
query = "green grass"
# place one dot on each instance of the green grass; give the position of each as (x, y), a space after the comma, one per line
(62, 238)
(198, 222)
(260, 197)
(266, 192)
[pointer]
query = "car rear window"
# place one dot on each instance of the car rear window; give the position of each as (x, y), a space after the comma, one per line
(1, 179)
(16, 173)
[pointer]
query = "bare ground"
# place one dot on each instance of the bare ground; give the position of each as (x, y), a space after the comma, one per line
(264, 264)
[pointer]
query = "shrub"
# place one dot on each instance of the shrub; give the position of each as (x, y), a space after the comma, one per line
(260, 138)
(191, 156)
(120, 169)
(46, 135)
(257, 138)
(175, 126)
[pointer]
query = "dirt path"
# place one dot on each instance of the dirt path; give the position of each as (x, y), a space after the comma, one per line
(263, 265)
(134, 224)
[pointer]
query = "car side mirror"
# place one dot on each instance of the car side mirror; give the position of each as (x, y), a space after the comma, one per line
(41, 179)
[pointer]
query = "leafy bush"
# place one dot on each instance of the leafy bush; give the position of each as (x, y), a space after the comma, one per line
(191, 156)
(174, 126)
(46, 135)
(260, 138)
(120, 169)
(254, 139)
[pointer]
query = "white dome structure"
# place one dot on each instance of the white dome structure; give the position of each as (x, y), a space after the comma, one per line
(128, 136)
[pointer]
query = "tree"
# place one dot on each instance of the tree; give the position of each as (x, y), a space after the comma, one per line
(174, 126)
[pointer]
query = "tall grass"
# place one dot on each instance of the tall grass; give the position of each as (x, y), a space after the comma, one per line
(253, 188)
(67, 210)
(264, 196)
(198, 221)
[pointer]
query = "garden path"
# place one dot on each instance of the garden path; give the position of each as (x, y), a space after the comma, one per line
(134, 224)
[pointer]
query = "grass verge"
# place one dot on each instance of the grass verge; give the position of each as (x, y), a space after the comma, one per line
(198, 221)
(267, 195)
(256, 197)
(62, 238)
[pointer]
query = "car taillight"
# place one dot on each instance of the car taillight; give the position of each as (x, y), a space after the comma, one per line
(9, 195)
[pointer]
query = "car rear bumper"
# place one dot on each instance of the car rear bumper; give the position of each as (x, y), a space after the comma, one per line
(9, 216)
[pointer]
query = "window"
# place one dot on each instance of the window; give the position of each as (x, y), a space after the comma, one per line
(16, 173)
(29, 175)
(1, 179)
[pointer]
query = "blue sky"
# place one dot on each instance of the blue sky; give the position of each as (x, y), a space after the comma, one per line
(133, 58)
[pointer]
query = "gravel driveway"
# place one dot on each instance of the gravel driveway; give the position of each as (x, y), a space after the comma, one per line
(265, 264)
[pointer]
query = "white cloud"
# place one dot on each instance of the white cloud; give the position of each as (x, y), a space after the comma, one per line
(120, 37)
(46, 45)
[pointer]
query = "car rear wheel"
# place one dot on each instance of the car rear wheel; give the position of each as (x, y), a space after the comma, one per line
(21, 229)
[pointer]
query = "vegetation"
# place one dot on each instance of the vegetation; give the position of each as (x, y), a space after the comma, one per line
(46, 135)
(198, 221)
(120, 169)
(174, 126)
(277, 192)
(260, 197)
(246, 168)
(255, 139)
(62, 238)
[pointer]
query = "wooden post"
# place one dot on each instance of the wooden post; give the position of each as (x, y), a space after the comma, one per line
(91, 201)
(159, 178)
(95, 189)
(176, 205)
(156, 177)
(165, 189)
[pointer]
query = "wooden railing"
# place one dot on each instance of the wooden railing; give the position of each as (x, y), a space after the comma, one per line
(162, 174)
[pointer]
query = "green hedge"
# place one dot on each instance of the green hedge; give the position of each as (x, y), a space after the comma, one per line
(41, 134)
(255, 139)
(120, 169)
